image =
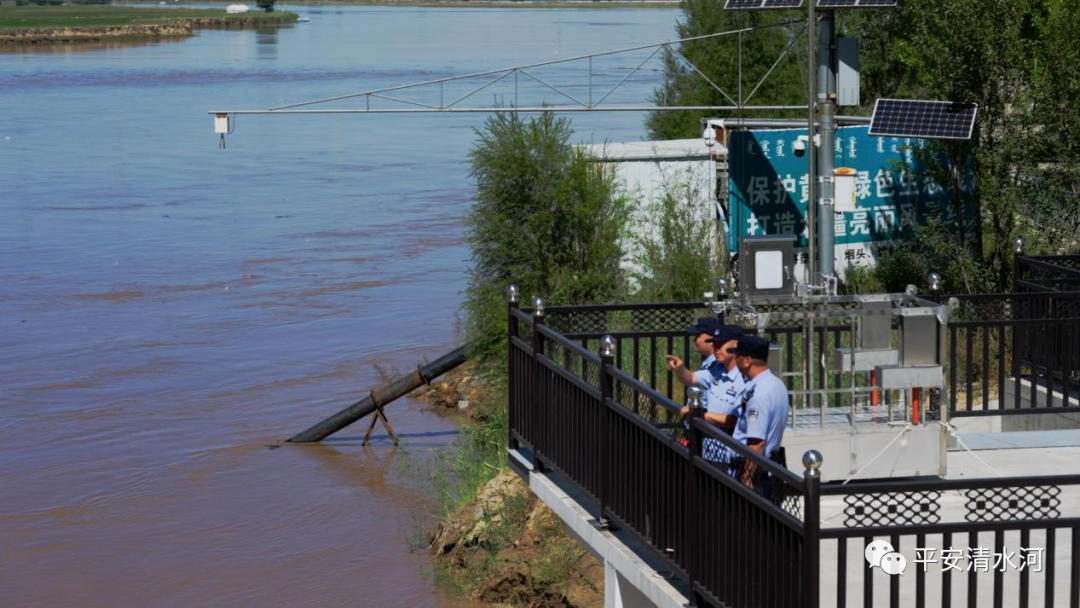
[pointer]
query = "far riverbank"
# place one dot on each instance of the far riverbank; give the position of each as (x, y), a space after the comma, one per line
(82, 23)
(523, 4)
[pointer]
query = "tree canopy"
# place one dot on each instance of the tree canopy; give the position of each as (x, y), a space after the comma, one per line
(1018, 59)
(718, 60)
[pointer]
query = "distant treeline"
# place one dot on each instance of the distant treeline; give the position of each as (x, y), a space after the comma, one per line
(59, 2)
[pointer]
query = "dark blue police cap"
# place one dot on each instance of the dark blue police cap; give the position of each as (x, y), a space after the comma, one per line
(726, 333)
(751, 346)
(704, 325)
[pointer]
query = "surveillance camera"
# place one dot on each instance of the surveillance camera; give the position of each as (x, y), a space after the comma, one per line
(799, 147)
(709, 136)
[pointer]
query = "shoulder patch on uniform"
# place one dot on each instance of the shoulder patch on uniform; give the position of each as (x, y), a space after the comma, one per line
(752, 414)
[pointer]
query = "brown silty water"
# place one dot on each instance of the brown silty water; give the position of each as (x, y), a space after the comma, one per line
(171, 312)
(147, 470)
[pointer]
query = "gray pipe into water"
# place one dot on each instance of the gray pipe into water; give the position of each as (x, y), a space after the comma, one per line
(382, 396)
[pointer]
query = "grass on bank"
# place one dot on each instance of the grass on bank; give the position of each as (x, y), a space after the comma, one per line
(524, 555)
(25, 17)
(480, 452)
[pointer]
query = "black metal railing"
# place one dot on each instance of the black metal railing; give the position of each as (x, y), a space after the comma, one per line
(973, 542)
(647, 492)
(1013, 353)
(645, 334)
(755, 524)
(1008, 354)
(744, 531)
(623, 444)
(1047, 273)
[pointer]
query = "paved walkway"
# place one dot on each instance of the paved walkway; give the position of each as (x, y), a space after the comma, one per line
(1019, 440)
(1004, 454)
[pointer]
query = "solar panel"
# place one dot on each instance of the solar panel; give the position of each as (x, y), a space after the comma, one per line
(855, 3)
(736, 5)
(925, 119)
(743, 4)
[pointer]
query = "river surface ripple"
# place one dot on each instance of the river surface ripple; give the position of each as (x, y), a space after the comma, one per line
(171, 311)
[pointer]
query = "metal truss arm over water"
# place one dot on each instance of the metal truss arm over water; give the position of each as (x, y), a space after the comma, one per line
(597, 94)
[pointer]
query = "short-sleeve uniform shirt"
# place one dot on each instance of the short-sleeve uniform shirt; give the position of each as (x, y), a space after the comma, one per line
(723, 395)
(725, 391)
(702, 377)
(764, 412)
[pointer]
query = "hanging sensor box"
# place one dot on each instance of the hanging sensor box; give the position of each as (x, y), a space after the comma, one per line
(847, 72)
(766, 264)
(222, 124)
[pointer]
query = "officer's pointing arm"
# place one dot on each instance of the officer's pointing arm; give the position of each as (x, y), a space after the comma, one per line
(675, 364)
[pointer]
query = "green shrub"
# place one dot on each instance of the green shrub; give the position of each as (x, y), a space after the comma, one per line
(861, 279)
(547, 218)
(898, 267)
(677, 246)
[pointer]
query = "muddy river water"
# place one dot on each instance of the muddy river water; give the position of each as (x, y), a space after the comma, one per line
(169, 311)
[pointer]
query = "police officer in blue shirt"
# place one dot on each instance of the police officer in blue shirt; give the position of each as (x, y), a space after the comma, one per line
(763, 413)
(723, 386)
(702, 332)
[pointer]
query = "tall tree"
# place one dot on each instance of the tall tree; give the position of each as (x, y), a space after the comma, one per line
(718, 59)
(1056, 109)
(1020, 61)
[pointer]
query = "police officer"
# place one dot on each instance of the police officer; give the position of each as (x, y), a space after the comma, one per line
(763, 412)
(702, 332)
(725, 385)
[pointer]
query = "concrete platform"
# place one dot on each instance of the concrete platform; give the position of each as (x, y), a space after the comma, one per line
(1018, 440)
(1035, 421)
(984, 464)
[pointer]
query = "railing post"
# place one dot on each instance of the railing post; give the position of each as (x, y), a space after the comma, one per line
(721, 295)
(607, 392)
(935, 287)
(511, 333)
(812, 460)
(914, 396)
(692, 511)
(693, 436)
(1018, 253)
(536, 399)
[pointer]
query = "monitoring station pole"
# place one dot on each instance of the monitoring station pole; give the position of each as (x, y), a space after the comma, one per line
(811, 149)
(811, 191)
(826, 100)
